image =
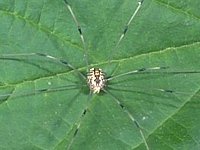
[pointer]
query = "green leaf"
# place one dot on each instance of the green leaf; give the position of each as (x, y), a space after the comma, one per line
(164, 33)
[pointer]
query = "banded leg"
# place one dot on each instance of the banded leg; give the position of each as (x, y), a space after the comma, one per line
(80, 121)
(4, 56)
(125, 30)
(130, 116)
(45, 90)
(149, 69)
(137, 71)
(79, 31)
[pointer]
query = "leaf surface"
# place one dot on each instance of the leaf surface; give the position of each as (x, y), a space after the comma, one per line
(164, 33)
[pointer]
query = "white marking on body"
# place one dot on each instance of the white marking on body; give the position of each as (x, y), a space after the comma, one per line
(96, 79)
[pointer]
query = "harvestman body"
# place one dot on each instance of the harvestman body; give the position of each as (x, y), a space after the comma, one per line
(96, 80)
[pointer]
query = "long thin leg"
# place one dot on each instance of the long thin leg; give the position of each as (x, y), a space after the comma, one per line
(46, 56)
(80, 121)
(44, 90)
(130, 116)
(125, 30)
(137, 71)
(79, 31)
